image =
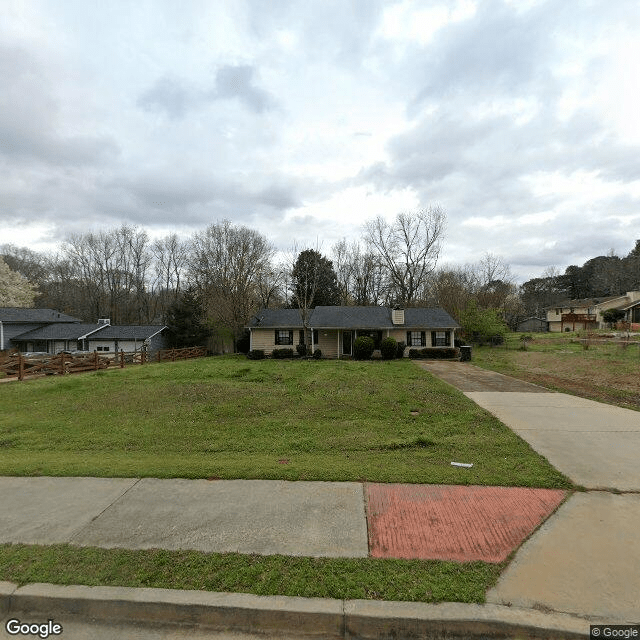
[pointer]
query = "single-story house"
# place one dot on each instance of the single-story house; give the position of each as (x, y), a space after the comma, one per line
(17, 320)
(128, 338)
(53, 338)
(99, 336)
(574, 315)
(333, 330)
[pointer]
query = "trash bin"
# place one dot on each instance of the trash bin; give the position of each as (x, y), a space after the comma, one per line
(465, 353)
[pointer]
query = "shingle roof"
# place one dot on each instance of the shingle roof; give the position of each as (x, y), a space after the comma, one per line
(271, 318)
(128, 332)
(17, 314)
(59, 331)
(582, 302)
(353, 318)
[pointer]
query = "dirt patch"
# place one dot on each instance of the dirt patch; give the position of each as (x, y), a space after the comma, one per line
(585, 374)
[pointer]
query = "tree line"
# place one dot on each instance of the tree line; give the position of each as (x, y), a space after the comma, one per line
(211, 283)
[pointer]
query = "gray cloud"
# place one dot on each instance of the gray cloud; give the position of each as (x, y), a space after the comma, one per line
(176, 97)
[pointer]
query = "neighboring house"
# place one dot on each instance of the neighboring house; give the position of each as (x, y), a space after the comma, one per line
(532, 325)
(128, 338)
(54, 338)
(575, 315)
(16, 320)
(333, 330)
(101, 336)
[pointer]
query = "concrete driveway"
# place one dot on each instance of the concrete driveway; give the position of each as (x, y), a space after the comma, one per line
(596, 445)
(585, 559)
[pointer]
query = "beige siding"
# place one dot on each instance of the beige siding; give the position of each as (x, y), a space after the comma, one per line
(328, 343)
(264, 339)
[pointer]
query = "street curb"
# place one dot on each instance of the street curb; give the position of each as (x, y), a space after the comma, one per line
(335, 619)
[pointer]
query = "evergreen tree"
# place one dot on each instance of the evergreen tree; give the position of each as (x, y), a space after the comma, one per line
(185, 319)
(314, 281)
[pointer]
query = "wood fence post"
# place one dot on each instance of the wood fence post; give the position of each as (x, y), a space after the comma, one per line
(95, 360)
(20, 366)
(62, 371)
(143, 357)
(121, 358)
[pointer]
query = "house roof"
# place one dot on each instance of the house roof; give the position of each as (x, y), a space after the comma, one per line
(274, 318)
(60, 331)
(20, 315)
(581, 302)
(353, 318)
(128, 332)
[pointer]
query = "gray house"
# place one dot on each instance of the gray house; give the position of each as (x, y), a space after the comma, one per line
(54, 338)
(17, 320)
(532, 325)
(128, 338)
(333, 330)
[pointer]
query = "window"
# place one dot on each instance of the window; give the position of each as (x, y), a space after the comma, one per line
(102, 348)
(284, 336)
(440, 338)
(416, 339)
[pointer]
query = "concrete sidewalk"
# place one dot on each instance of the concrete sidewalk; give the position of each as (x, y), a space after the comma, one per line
(582, 564)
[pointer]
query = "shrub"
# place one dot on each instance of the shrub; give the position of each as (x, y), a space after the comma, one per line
(388, 348)
(363, 348)
(317, 354)
(282, 353)
(401, 346)
(302, 350)
(434, 353)
(243, 343)
(256, 354)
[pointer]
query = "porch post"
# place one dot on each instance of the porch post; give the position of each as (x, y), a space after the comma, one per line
(339, 333)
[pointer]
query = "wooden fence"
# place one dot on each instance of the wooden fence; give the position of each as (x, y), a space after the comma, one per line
(19, 366)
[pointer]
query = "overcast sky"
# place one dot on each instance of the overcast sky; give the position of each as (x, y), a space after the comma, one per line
(303, 119)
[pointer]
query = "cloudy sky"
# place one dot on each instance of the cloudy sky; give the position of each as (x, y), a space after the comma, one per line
(304, 118)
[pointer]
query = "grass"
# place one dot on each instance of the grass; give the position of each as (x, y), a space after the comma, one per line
(605, 371)
(227, 417)
(365, 578)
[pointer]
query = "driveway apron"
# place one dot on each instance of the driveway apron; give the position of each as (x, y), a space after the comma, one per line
(585, 559)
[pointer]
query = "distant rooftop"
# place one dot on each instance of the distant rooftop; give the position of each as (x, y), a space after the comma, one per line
(30, 316)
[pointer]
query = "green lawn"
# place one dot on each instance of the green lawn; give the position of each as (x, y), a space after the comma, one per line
(228, 417)
(364, 578)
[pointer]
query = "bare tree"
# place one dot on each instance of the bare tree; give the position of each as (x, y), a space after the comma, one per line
(408, 248)
(170, 261)
(226, 263)
(362, 278)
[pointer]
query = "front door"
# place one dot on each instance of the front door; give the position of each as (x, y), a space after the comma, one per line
(347, 343)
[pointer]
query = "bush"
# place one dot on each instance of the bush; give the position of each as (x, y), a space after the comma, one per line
(243, 343)
(302, 350)
(256, 354)
(401, 346)
(317, 354)
(363, 348)
(388, 348)
(434, 353)
(282, 353)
